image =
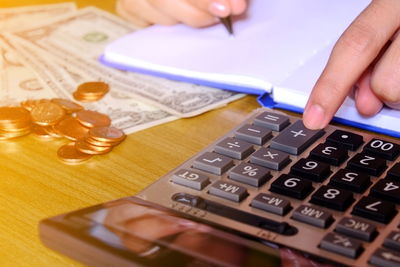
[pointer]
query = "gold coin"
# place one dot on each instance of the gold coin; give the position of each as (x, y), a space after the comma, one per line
(91, 91)
(4, 135)
(95, 142)
(14, 114)
(41, 132)
(107, 134)
(71, 129)
(87, 148)
(91, 118)
(47, 113)
(67, 105)
(69, 154)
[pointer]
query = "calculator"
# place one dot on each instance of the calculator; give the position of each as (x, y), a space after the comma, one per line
(331, 194)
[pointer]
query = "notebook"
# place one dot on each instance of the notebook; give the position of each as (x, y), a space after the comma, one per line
(278, 51)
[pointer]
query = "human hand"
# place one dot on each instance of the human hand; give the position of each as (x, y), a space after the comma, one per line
(195, 13)
(366, 57)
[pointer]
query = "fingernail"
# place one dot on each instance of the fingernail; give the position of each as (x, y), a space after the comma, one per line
(314, 117)
(219, 9)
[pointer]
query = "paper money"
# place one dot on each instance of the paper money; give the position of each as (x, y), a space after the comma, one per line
(126, 113)
(79, 38)
(17, 18)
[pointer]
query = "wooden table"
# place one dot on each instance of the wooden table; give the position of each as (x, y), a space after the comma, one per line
(34, 184)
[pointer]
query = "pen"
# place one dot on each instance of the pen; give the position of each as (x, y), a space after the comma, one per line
(227, 22)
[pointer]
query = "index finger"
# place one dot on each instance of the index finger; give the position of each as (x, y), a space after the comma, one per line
(221, 8)
(353, 53)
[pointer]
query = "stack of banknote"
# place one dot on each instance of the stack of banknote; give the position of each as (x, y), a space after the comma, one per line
(47, 51)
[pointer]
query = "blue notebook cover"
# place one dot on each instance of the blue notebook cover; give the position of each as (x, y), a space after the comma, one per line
(264, 98)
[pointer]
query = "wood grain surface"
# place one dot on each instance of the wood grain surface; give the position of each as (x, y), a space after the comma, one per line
(35, 185)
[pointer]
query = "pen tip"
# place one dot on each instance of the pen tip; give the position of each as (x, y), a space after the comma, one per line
(227, 22)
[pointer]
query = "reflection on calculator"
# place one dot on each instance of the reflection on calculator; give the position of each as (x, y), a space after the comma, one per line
(331, 194)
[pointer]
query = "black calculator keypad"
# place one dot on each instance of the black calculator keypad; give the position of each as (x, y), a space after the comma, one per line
(336, 190)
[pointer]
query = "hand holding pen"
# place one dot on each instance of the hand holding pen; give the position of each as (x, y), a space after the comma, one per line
(195, 13)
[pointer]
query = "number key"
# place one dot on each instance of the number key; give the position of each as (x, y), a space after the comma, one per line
(368, 164)
(384, 149)
(329, 153)
(374, 209)
(333, 198)
(311, 169)
(394, 172)
(351, 180)
(387, 189)
(291, 186)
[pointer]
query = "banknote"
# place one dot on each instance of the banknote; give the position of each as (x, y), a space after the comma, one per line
(17, 18)
(17, 80)
(126, 112)
(79, 38)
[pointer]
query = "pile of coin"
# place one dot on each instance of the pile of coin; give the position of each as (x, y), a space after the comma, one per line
(89, 131)
(91, 91)
(14, 122)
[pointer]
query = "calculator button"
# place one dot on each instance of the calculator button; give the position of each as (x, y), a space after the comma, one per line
(393, 240)
(295, 138)
(311, 169)
(270, 158)
(271, 120)
(271, 204)
(367, 163)
(228, 191)
(385, 258)
(356, 228)
(342, 245)
(190, 179)
(333, 198)
(346, 139)
(374, 209)
(291, 186)
(213, 163)
(394, 172)
(234, 148)
(354, 181)
(253, 134)
(387, 190)
(383, 149)
(235, 214)
(329, 153)
(249, 174)
(312, 216)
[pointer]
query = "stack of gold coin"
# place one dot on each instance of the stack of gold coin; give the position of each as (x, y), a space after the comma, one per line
(91, 91)
(89, 131)
(100, 140)
(14, 122)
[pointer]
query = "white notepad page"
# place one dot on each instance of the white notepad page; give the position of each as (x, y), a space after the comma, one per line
(270, 41)
(280, 46)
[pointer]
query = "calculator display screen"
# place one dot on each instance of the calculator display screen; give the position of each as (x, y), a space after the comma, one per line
(152, 236)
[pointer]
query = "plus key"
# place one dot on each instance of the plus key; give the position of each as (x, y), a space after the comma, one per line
(296, 138)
